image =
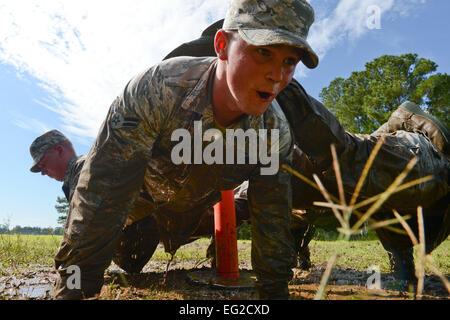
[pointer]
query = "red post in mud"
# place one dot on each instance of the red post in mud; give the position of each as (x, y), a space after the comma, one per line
(226, 238)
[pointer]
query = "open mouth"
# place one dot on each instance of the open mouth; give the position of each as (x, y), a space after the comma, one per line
(264, 95)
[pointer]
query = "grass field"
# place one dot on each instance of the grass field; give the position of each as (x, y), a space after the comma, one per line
(33, 255)
(20, 251)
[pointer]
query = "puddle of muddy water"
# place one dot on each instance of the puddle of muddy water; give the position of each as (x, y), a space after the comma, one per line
(26, 289)
(32, 292)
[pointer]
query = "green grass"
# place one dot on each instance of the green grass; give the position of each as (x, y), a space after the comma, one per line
(197, 251)
(19, 252)
(441, 257)
(359, 255)
(185, 253)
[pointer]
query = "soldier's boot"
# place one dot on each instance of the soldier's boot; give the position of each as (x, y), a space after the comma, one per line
(302, 236)
(211, 252)
(304, 255)
(304, 258)
(402, 265)
(410, 117)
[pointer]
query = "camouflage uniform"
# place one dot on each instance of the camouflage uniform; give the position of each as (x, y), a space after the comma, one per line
(140, 235)
(134, 149)
(72, 174)
(134, 146)
(407, 133)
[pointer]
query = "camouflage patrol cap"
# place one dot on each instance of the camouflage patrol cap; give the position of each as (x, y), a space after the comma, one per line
(41, 144)
(270, 22)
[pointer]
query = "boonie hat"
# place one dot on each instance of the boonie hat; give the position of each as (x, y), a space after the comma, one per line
(41, 144)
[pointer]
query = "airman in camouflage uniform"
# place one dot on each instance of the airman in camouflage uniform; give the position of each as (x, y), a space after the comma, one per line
(53, 154)
(409, 132)
(134, 146)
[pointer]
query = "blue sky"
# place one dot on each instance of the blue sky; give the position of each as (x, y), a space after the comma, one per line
(63, 62)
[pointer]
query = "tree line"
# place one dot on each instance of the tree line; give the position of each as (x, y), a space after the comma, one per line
(62, 207)
(5, 229)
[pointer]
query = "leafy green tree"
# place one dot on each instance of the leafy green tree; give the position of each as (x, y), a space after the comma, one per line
(436, 90)
(244, 232)
(4, 229)
(62, 207)
(366, 99)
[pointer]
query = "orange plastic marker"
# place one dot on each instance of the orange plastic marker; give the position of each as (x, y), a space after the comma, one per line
(226, 237)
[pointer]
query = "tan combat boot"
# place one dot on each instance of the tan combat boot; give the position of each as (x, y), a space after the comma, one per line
(410, 117)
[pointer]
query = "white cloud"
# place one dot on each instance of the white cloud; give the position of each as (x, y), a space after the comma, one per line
(347, 21)
(83, 52)
(33, 125)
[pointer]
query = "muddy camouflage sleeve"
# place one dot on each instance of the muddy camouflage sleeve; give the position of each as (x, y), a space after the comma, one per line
(109, 184)
(270, 204)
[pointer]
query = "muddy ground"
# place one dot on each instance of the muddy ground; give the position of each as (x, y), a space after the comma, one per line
(192, 280)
